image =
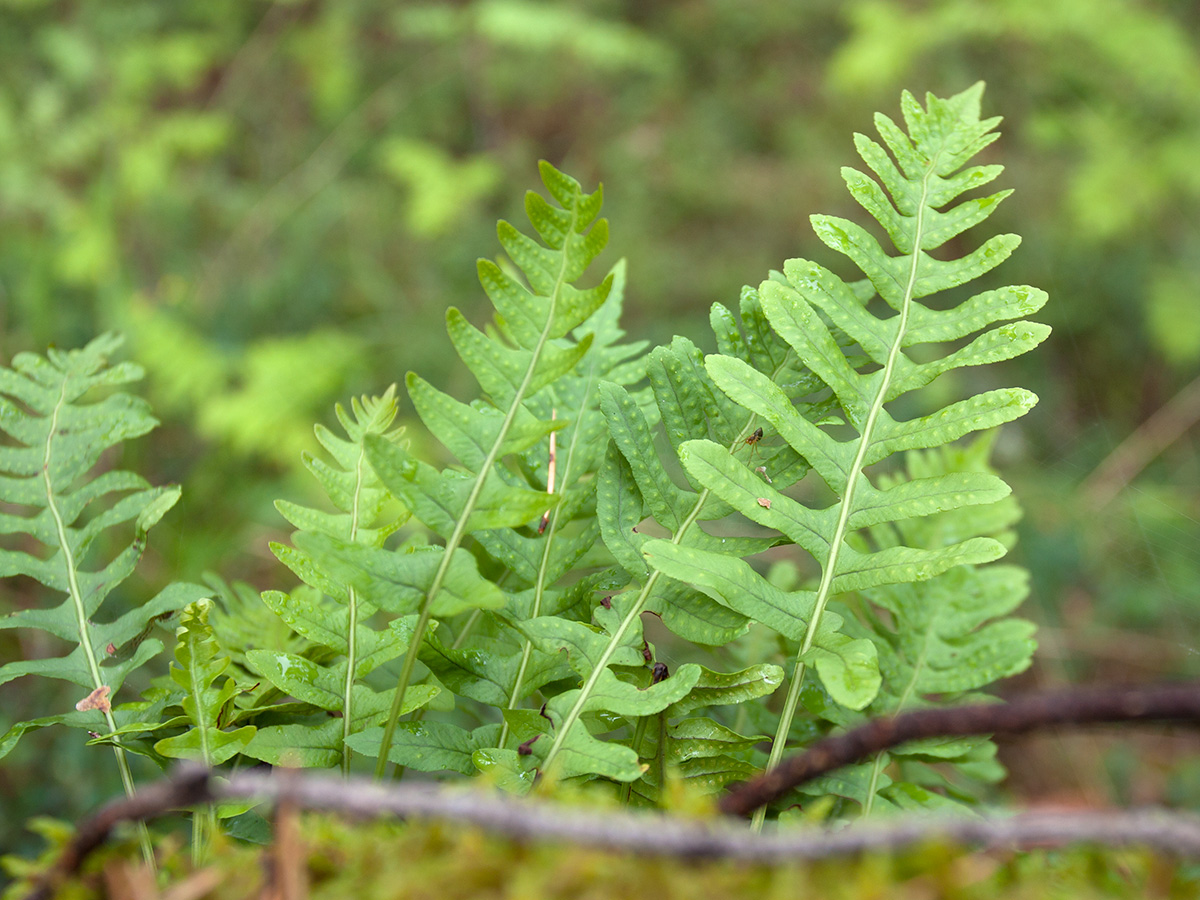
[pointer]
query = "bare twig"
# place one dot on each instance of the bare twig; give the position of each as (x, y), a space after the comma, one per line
(657, 835)
(1165, 703)
(643, 834)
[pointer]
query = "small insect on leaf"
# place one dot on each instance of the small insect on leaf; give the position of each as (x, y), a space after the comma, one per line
(659, 673)
(764, 502)
(754, 438)
(97, 699)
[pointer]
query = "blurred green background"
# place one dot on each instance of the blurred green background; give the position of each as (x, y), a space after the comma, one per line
(277, 201)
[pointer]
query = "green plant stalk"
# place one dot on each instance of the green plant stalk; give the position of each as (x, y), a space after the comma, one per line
(847, 505)
(540, 588)
(877, 765)
(660, 758)
(204, 827)
(639, 735)
(460, 527)
(82, 623)
(468, 627)
(352, 633)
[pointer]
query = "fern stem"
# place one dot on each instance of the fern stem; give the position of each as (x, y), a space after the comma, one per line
(460, 527)
(76, 594)
(824, 589)
(352, 631)
(410, 658)
(551, 532)
(660, 758)
(877, 764)
(639, 735)
(468, 627)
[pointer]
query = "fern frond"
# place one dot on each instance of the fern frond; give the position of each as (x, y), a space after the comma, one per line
(950, 635)
(332, 679)
(537, 344)
(198, 665)
(926, 176)
(60, 413)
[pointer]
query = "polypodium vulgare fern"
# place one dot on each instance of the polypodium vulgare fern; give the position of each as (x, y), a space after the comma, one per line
(928, 173)
(60, 414)
(561, 523)
(946, 636)
(331, 679)
(535, 346)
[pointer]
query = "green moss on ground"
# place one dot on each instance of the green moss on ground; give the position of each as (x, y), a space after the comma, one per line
(336, 859)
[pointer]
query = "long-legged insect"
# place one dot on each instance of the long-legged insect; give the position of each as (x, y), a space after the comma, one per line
(550, 475)
(753, 442)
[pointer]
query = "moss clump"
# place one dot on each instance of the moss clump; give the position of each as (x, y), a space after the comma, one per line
(335, 859)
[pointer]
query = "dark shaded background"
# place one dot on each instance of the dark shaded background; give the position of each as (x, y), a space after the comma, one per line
(277, 201)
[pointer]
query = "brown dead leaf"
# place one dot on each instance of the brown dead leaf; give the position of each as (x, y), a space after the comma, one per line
(97, 699)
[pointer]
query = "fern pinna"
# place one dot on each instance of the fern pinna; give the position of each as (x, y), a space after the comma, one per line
(60, 414)
(928, 173)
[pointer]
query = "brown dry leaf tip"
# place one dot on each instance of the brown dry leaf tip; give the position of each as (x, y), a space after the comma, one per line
(97, 699)
(764, 502)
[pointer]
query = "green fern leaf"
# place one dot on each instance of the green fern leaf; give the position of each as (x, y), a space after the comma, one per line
(811, 307)
(198, 666)
(60, 413)
(950, 635)
(537, 347)
(346, 649)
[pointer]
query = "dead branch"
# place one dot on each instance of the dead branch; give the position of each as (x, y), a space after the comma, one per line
(639, 833)
(1163, 703)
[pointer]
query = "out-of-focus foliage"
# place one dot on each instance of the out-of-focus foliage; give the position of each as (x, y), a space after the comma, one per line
(244, 186)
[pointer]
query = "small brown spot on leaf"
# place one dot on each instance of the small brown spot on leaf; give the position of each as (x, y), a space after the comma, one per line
(764, 502)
